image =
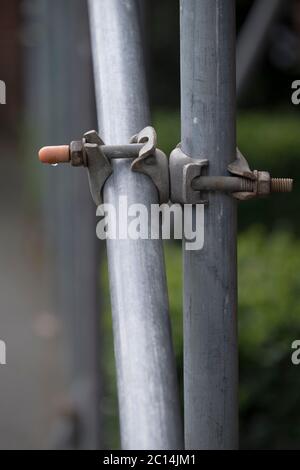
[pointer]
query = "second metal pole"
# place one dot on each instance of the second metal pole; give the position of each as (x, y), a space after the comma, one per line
(210, 318)
(147, 384)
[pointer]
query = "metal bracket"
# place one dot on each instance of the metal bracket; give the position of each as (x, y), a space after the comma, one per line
(152, 162)
(92, 153)
(183, 170)
(99, 167)
(188, 182)
(147, 160)
(260, 182)
(240, 167)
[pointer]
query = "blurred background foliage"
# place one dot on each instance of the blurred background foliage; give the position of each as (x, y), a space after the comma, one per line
(269, 247)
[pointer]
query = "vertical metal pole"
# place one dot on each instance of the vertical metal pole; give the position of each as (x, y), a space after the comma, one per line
(210, 285)
(147, 384)
(60, 98)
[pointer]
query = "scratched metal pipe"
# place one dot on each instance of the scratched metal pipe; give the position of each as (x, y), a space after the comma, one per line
(146, 376)
(210, 276)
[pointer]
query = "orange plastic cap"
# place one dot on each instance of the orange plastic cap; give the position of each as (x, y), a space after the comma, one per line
(55, 154)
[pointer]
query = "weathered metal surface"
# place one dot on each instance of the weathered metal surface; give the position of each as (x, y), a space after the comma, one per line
(152, 162)
(187, 181)
(92, 153)
(146, 374)
(183, 171)
(226, 184)
(210, 284)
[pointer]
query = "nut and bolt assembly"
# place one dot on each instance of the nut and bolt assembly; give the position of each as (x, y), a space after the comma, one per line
(92, 153)
(189, 184)
(180, 179)
(76, 154)
(262, 185)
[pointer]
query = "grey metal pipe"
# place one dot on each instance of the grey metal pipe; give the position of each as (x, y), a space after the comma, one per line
(146, 376)
(210, 286)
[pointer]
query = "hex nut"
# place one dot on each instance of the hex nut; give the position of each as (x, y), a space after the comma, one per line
(77, 153)
(263, 183)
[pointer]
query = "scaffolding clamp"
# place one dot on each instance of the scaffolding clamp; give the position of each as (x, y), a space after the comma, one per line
(152, 162)
(92, 153)
(189, 181)
(183, 171)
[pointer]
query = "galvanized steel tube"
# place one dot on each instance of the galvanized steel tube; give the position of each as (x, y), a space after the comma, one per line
(147, 384)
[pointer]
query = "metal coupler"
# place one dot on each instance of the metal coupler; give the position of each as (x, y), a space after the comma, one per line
(92, 153)
(187, 181)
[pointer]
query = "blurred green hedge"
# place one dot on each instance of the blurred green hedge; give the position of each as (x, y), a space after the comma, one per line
(269, 321)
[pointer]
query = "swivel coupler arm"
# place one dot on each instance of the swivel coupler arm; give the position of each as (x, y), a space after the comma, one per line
(92, 153)
(76, 154)
(189, 185)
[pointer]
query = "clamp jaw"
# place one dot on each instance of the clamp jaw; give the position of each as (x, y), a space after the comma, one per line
(92, 153)
(183, 171)
(188, 180)
(152, 162)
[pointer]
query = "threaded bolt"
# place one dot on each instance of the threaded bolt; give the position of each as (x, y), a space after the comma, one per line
(247, 186)
(281, 185)
(262, 186)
